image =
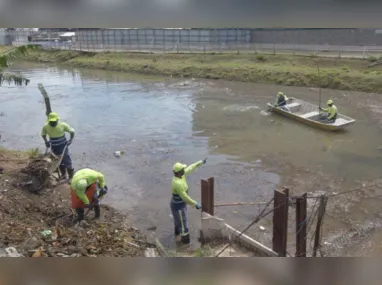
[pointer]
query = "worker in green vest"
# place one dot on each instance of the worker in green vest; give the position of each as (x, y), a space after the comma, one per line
(331, 113)
(57, 142)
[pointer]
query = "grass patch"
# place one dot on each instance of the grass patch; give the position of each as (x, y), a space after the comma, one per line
(204, 251)
(4, 152)
(338, 73)
(33, 152)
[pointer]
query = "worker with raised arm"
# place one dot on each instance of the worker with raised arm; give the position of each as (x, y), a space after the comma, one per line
(180, 199)
(281, 99)
(57, 142)
(87, 187)
(331, 112)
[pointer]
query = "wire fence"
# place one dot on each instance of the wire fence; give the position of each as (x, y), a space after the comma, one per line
(181, 41)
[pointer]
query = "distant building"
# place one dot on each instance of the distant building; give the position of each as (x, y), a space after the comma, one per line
(67, 36)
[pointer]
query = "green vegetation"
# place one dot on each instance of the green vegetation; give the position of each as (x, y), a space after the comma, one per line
(204, 251)
(336, 73)
(8, 54)
(33, 153)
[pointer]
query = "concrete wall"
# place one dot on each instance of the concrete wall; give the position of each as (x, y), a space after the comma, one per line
(344, 37)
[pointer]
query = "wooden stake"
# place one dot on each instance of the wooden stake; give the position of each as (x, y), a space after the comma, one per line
(301, 225)
(321, 213)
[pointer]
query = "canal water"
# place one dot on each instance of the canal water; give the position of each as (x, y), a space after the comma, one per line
(158, 121)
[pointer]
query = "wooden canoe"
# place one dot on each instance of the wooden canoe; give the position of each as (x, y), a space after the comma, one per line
(309, 114)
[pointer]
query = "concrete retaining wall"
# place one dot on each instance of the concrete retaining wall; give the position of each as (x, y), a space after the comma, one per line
(215, 228)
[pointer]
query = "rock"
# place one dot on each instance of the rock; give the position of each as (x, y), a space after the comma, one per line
(262, 228)
(31, 244)
(83, 224)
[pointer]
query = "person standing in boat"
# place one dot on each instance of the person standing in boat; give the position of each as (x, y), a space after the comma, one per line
(331, 112)
(281, 101)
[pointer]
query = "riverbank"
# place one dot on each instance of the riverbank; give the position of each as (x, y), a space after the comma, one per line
(334, 73)
(38, 224)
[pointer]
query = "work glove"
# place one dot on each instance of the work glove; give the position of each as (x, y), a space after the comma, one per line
(89, 206)
(47, 144)
(205, 161)
(103, 191)
(198, 207)
(69, 143)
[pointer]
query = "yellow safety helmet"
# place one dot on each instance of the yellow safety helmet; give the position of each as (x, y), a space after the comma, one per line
(330, 102)
(280, 93)
(53, 117)
(178, 167)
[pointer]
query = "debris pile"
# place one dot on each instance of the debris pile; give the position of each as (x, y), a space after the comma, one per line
(41, 225)
(35, 175)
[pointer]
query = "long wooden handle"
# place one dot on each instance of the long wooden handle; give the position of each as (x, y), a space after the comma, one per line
(46, 99)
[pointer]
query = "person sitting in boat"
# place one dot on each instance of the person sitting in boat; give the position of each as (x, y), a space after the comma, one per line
(281, 101)
(331, 113)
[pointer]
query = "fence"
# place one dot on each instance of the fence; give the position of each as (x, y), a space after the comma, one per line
(198, 41)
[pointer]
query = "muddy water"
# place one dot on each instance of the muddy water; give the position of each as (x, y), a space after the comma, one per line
(158, 121)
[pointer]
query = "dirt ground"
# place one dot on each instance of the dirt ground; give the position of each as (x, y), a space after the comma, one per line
(25, 215)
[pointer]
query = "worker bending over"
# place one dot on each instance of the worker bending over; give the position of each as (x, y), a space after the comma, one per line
(281, 99)
(331, 113)
(56, 131)
(180, 199)
(87, 187)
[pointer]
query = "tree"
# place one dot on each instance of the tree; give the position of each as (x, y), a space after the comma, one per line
(6, 60)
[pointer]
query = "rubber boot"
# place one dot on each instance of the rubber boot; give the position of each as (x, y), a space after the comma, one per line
(63, 172)
(80, 215)
(97, 210)
(70, 173)
(185, 239)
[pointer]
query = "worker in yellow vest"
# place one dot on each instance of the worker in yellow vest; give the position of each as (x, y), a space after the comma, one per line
(57, 142)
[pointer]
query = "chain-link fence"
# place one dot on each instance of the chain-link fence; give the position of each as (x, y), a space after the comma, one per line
(201, 41)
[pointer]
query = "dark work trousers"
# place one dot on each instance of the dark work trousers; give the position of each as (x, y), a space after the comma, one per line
(179, 213)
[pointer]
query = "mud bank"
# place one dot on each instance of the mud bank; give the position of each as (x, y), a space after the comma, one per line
(24, 216)
(334, 73)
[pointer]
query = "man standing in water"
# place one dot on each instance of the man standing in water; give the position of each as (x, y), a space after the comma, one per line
(180, 199)
(56, 131)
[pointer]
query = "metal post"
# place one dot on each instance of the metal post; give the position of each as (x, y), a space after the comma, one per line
(301, 225)
(321, 213)
(280, 221)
